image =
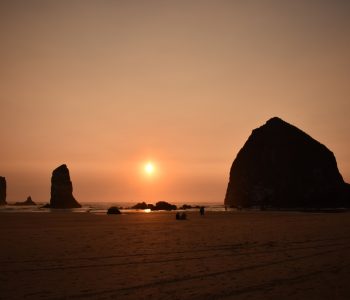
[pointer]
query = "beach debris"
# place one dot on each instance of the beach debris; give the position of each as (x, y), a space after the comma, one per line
(29, 201)
(62, 189)
(113, 211)
(2, 191)
(280, 166)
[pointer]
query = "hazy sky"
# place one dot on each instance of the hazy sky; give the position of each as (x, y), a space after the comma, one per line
(105, 86)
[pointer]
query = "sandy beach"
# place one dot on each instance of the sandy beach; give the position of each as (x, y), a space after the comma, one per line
(223, 255)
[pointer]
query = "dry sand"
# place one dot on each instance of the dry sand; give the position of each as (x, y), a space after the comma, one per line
(223, 255)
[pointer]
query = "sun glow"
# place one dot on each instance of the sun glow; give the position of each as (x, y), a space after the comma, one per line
(149, 168)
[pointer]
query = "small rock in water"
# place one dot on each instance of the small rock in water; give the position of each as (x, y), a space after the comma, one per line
(113, 211)
(141, 205)
(163, 205)
(29, 201)
(186, 206)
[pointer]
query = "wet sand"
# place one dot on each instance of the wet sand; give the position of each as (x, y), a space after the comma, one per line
(223, 255)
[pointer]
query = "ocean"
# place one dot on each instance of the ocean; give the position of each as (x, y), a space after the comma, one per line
(102, 207)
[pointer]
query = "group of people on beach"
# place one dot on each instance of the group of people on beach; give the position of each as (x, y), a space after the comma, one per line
(183, 216)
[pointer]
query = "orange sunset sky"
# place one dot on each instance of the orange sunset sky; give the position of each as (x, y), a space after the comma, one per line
(106, 86)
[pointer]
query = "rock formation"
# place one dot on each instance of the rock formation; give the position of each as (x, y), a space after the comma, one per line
(280, 166)
(113, 210)
(29, 201)
(62, 189)
(163, 205)
(2, 191)
(140, 205)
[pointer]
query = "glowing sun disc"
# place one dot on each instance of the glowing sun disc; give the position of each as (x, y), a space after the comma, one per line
(149, 168)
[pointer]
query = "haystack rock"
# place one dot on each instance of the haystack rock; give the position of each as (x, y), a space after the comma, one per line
(62, 189)
(280, 166)
(2, 191)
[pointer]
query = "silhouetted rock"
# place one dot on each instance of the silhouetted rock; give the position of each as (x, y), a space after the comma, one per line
(2, 191)
(29, 201)
(162, 205)
(186, 206)
(151, 206)
(144, 205)
(62, 189)
(113, 211)
(141, 205)
(280, 166)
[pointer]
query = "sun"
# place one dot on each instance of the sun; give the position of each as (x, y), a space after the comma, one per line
(149, 168)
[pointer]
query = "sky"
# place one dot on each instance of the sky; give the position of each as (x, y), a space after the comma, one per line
(106, 86)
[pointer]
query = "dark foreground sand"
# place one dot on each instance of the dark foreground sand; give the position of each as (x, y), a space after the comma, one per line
(223, 255)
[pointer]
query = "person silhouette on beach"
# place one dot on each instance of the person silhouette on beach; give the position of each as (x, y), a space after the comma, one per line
(181, 216)
(201, 210)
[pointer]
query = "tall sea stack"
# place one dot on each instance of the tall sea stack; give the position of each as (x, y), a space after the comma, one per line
(62, 189)
(280, 166)
(2, 191)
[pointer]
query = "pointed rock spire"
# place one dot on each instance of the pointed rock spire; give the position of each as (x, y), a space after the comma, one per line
(62, 189)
